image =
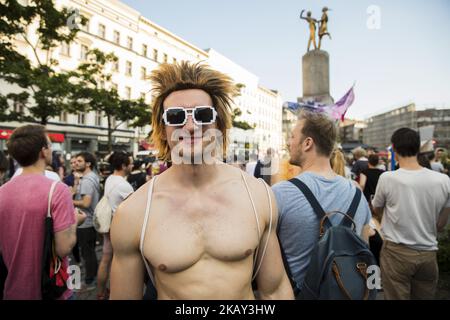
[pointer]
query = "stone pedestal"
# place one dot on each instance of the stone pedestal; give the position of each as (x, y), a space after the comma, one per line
(316, 77)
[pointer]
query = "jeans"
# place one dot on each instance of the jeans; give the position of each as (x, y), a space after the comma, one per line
(86, 240)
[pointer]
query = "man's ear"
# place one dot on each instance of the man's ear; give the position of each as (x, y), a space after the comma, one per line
(308, 144)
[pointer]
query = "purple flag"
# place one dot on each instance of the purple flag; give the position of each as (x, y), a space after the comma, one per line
(336, 111)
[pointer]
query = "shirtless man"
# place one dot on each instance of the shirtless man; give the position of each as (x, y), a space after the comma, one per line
(209, 226)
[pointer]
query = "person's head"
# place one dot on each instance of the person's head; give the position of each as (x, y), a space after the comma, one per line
(308, 14)
(4, 164)
(313, 136)
(370, 151)
(85, 162)
(405, 142)
(29, 144)
(270, 153)
(424, 161)
(121, 161)
(438, 153)
(324, 9)
(374, 160)
(337, 162)
(359, 153)
(137, 164)
(56, 160)
(178, 90)
(73, 163)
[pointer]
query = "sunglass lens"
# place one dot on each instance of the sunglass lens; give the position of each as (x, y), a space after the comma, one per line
(203, 115)
(175, 116)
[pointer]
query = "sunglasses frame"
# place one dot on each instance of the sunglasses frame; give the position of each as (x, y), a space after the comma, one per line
(186, 114)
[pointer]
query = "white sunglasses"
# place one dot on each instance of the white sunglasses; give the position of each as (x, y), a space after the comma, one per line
(201, 115)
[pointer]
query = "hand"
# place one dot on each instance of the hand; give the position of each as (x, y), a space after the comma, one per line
(80, 216)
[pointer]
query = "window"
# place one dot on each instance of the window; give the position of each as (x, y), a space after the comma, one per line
(85, 27)
(81, 118)
(143, 73)
(155, 54)
(128, 69)
(115, 66)
(117, 37)
(84, 52)
(128, 93)
(142, 96)
(113, 122)
(65, 49)
(130, 43)
(144, 50)
(101, 84)
(174, 60)
(101, 31)
(63, 117)
(98, 118)
(114, 87)
(19, 107)
(165, 58)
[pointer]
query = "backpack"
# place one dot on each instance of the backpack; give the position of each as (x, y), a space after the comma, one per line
(340, 259)
(103, 214)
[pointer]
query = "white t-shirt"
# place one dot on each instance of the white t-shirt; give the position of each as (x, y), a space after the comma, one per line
(49, 174)
(117, 189)
(250, 168)
(412, 201)
(437, 166)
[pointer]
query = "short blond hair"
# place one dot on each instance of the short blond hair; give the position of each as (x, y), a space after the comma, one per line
(168, 78)
(359, 153)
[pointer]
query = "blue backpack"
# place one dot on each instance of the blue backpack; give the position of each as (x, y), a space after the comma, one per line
(339, 261)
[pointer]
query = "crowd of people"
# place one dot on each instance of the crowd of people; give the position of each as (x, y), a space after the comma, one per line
(219, 231)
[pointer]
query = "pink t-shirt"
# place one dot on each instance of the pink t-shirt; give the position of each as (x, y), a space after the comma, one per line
(23, 208)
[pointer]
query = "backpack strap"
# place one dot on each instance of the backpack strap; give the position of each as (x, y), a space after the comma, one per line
(352, 209)
(317, 208)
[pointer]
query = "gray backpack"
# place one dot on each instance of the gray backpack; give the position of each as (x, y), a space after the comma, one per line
(339, 261)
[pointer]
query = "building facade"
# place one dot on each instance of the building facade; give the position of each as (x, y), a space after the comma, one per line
(140, 46)
(381, 127)
(351, 130)
(260, 107)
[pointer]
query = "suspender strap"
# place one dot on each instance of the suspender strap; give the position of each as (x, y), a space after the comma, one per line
(317, 208)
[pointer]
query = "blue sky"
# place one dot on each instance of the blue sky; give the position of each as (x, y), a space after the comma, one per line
(406, 59)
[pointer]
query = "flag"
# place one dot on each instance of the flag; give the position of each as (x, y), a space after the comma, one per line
(336, 111)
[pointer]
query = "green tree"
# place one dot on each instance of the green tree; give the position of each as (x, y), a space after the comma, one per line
(95, 92)
(45, 91)
(237, 112)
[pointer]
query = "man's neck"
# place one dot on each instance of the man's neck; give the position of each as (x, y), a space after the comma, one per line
(196, 175)
(319, 165)
(86, 171)
(409, 163)
(120, 173)
(36, 168)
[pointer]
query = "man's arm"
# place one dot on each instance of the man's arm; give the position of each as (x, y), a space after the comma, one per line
(443, 218)
(362, 180)
(272, 280)
(127, 271)
(84, 203)
(65, 240)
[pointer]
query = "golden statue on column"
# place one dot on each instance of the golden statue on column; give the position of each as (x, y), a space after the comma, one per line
(322, 25)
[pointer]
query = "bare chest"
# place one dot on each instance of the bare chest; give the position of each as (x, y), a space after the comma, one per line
(183, 229)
